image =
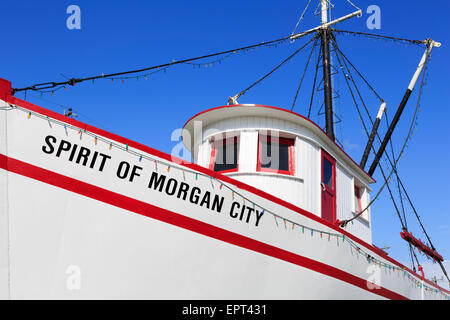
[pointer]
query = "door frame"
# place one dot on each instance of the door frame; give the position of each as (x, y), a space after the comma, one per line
(332, 191)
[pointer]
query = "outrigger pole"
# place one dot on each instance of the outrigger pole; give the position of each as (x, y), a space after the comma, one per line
(369, 145)
(430, 44)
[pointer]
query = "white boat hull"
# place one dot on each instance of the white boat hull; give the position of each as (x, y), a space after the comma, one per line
(70, 231)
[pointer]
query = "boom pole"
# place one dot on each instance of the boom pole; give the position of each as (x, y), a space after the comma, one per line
(401, 107)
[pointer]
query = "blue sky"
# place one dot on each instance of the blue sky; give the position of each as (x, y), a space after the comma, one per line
(119, 35)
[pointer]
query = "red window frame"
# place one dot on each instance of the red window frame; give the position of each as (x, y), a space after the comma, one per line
(290, 142)
(227, 141)
(358, 196)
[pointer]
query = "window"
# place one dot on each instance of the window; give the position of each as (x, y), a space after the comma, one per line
(224, 155)
(358, 206)
(327, 177)
(276, 155)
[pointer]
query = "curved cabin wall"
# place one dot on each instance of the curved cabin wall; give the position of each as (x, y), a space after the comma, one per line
(303, 188)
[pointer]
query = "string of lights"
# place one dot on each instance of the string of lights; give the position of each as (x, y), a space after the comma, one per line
(137, 74)
(235, 193)
(52, 87)
(379, 36)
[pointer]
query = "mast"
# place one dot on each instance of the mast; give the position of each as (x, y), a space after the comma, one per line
(325, 36)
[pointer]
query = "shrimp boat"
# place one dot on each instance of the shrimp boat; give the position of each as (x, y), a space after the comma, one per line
(271, 207)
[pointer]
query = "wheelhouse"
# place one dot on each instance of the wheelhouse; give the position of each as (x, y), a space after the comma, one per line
(283, 154)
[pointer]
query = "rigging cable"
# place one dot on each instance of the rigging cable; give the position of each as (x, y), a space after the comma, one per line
(371, 35)
(396, 173)
(403, 187)
(274, 69)
(394, 168)
(359, 73)
(301, 17)
(382, 171)
(403, 223)
(347, 71)
(314, 82)
(353, 5)
(73, 81)
(370, 118)
(64, 107)
(304, 72)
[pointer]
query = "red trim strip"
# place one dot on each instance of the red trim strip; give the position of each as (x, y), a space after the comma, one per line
(184, 222)
(217, 175)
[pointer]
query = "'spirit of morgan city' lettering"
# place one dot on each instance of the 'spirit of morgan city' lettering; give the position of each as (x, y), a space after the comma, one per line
(158, 182)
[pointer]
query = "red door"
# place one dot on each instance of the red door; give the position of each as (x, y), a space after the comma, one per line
(328, 187)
